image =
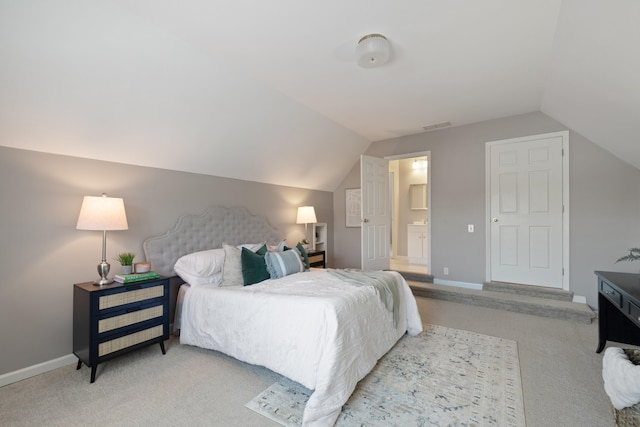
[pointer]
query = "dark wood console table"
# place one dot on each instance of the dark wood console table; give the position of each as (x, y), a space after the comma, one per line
(619, 308)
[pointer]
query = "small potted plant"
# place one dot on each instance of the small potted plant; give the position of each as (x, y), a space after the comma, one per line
(305, 243)
(126, 261)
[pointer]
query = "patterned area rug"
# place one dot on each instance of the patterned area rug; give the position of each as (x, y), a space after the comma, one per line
(443, 377)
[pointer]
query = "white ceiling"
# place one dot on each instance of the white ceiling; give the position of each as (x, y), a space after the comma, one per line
(270, 91)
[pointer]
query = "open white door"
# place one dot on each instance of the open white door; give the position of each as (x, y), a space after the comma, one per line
(376, 217)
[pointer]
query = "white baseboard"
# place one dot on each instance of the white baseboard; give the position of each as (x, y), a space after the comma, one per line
(476, 286)
(580, 299)
(40, 368)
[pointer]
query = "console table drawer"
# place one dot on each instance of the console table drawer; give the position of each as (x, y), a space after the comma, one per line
(122, 298)
(115, 322)
(130, 340)
(611, 293)
(634, 312)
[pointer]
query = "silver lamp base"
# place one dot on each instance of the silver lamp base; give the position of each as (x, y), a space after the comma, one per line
(103, 271)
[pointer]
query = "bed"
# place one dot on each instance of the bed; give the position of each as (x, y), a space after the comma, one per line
(323, 328)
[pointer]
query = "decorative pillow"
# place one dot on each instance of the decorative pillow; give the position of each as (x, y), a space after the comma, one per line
(254, 269)
(232, 270)
(201, 268)
(253, 247)
(280, 264)
(280, 247)
(303, 254)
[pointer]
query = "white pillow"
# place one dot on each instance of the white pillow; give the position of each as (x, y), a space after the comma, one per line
(251, 246)
(201, 268)
(232, 270)
(279, 247)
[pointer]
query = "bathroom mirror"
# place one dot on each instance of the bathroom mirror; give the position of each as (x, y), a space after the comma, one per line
(418, 197)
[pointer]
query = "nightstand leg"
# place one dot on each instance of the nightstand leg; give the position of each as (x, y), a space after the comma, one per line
(93, 374)
(79, 365)
(162, 347)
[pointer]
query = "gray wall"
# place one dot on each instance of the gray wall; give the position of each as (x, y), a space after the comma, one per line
(43, 254)
(604, 201)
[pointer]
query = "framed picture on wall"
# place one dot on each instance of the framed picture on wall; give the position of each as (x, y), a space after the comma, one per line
(353, 203)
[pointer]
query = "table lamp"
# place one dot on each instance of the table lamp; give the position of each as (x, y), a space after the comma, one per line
(102, 214)
(306, 215)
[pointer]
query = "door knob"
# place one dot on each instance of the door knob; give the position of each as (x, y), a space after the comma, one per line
(365, 220)
(495, 220)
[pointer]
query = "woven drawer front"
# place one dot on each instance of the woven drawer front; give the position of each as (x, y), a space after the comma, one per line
(122, 298)
(315, 258)
(116, 322)
(129, 340)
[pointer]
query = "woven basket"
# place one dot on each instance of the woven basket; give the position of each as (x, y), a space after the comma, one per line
(630, 416)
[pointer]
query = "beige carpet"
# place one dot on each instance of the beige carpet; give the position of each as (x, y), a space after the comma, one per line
(442, 377)
(560, 371)
(186, 387)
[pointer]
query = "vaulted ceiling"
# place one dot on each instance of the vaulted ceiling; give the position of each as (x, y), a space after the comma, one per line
(270, 91)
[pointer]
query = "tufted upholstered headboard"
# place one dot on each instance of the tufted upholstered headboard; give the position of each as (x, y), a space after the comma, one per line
(193, 233)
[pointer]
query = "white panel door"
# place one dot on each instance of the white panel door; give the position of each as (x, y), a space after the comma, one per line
(376, 217)
(526, 211)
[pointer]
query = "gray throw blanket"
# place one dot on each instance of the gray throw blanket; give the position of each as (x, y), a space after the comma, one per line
(382, 282)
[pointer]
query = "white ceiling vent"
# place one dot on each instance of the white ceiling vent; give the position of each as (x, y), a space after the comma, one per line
(436, 126)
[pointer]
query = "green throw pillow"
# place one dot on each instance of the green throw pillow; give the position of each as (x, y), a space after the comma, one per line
(303, 254)
(254, 269)
(263, 250)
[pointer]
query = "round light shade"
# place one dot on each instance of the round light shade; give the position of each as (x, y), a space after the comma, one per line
(373, 50)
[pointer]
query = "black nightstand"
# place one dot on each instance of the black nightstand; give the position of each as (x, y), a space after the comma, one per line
(317, 259)
(114, 319)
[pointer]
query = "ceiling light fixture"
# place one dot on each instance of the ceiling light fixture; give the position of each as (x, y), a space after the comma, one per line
(373, 50)
(420, 164)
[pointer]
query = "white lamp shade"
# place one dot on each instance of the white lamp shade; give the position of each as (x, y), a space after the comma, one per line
(373, 50)
(306, 215)
(102, 213)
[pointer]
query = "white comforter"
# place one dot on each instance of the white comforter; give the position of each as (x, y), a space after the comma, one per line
(310, 327)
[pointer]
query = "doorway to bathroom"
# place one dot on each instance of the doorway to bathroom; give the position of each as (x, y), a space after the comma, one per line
(409, 192)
